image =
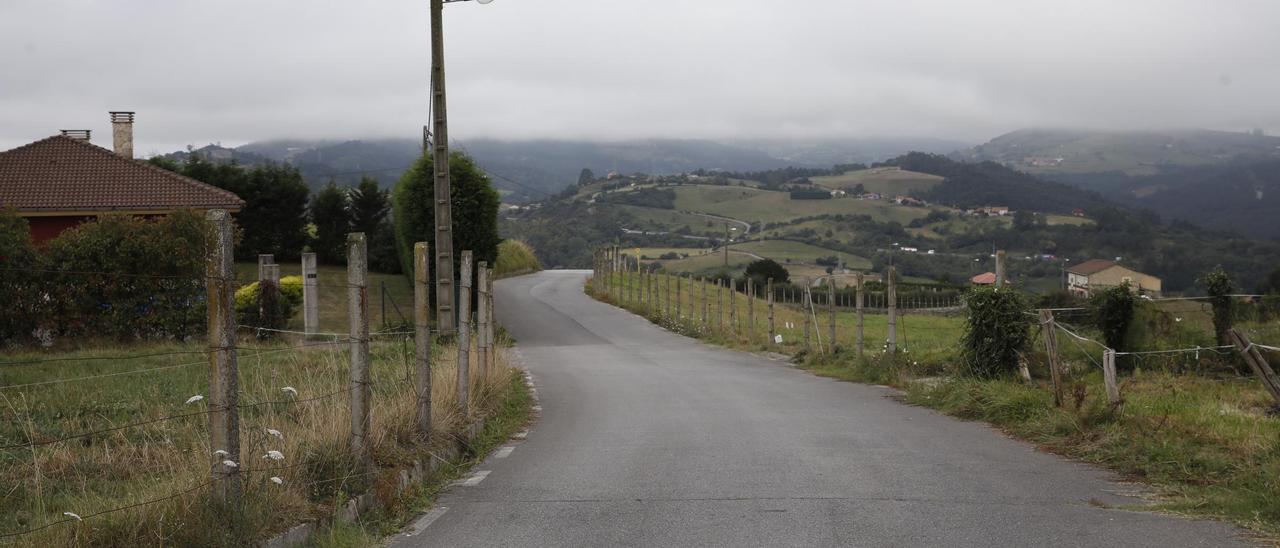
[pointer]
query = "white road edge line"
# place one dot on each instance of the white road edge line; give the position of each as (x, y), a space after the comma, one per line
(476, 478)
(504, 452)
(425, 521)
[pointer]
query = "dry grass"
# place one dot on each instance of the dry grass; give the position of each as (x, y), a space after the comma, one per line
(89, 475)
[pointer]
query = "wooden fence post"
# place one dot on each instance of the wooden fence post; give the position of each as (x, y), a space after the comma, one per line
(310, 295)
(831, 309)
(491, 336)
(858, 325)
(892, 301)
(224, 389)
(679, 297)
(733, 306)
(1257, 362)
(807, 299)
(464, 334)
(751, 311)
(769, 299)
(1109, 377)
(720, 305)
(482, 318)
(422, 339)
(706, 305)
(358, 316)
(1050, 332)
(264, 259)
(268, 298)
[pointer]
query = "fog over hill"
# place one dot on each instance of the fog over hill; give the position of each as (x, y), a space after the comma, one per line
(531, 170)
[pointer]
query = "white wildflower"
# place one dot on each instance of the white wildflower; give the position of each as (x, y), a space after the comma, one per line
(274, 432)
(276, 480)
(195, 398)
(230, 464)
(289, 390)
(73, 515)
(274, 455)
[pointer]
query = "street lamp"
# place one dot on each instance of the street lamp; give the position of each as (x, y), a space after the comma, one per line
(445, 321)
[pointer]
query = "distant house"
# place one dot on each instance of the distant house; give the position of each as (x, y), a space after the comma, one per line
(986, 278)
(61, 181)
(871, 196)
(1096, 274)
(1077, 212)
(907, 201)
(996, 211)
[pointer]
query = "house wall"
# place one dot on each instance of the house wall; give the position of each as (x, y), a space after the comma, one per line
(1118, 274)
(44, 229)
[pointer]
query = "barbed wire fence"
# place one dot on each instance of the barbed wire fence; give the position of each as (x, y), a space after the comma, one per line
(211, 441)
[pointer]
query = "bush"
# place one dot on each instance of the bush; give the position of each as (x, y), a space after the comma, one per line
(1112, 312)
(515, 256)
(247, 303)
(762, 270)
(18, 258)
(1219, 287)
(129, 278)
(997, 331)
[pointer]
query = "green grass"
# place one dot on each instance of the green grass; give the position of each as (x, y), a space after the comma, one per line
(758, 205)
(147, 462)
(670, 220)
(390, 296)
(515, 257)
(784, 251)
(889, 181)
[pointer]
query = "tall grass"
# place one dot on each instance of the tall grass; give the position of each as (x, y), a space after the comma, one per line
(147, 463)
(515, 257)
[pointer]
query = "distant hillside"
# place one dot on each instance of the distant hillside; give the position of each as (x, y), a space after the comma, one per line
(1059, 151)
(534, 170)
(969, 185)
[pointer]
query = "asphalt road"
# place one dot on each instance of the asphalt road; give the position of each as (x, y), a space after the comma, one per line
(647, 438)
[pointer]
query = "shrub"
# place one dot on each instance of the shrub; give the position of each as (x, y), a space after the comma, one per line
(247, 303)
(762, 270)
(515, 256)
(997, 331)
(18, 258)
(1219, 287)
(129, 278)
(1112, 312)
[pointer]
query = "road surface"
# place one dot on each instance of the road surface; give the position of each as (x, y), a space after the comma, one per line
(651, 439)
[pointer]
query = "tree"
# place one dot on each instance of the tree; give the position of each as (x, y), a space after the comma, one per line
(274, 219)
(475, 212)
(332, 219)
(17, 258)
(765, 269)
(370, 206)
(859, 190)
(586, 177)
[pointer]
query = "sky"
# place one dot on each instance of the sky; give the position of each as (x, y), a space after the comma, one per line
(236, 71)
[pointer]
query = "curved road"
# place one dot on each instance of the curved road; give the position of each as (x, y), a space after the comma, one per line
(647, 438)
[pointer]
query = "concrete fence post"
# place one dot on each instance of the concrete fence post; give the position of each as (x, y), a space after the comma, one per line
(464, 334)
(224, 389)
(1049, 328)
(491, 336)
(482, 318)
(310, 295)
(805, 311)
(358, 318)
(422, 339)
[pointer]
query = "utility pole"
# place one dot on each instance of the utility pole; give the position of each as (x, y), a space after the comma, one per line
(440, 161)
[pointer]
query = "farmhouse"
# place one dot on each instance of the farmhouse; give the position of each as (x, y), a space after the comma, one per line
(61, 181)
(1084, 278)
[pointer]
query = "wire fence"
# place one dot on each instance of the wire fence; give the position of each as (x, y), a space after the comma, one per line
(82, 426)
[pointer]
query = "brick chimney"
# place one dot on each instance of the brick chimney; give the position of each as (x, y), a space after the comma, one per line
(122, 133)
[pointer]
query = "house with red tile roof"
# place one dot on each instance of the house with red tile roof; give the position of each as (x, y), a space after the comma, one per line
(61, 181)
(1085, 278)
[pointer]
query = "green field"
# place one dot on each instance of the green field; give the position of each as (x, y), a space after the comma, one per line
(393, 290)
(759, 205)
(784, 251)
(670, 220)
(883, 180)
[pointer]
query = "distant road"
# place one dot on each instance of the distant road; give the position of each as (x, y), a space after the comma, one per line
(651, 439)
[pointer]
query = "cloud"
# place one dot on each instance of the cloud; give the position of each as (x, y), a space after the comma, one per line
(242, 70)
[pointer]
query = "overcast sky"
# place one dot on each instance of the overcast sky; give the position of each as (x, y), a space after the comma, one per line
(241, 70)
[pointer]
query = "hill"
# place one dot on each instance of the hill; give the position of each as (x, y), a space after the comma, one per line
(1135, 153)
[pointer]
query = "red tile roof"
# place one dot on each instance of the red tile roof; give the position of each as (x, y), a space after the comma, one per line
(65, 174)
(986, 278)
(1090, 267)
